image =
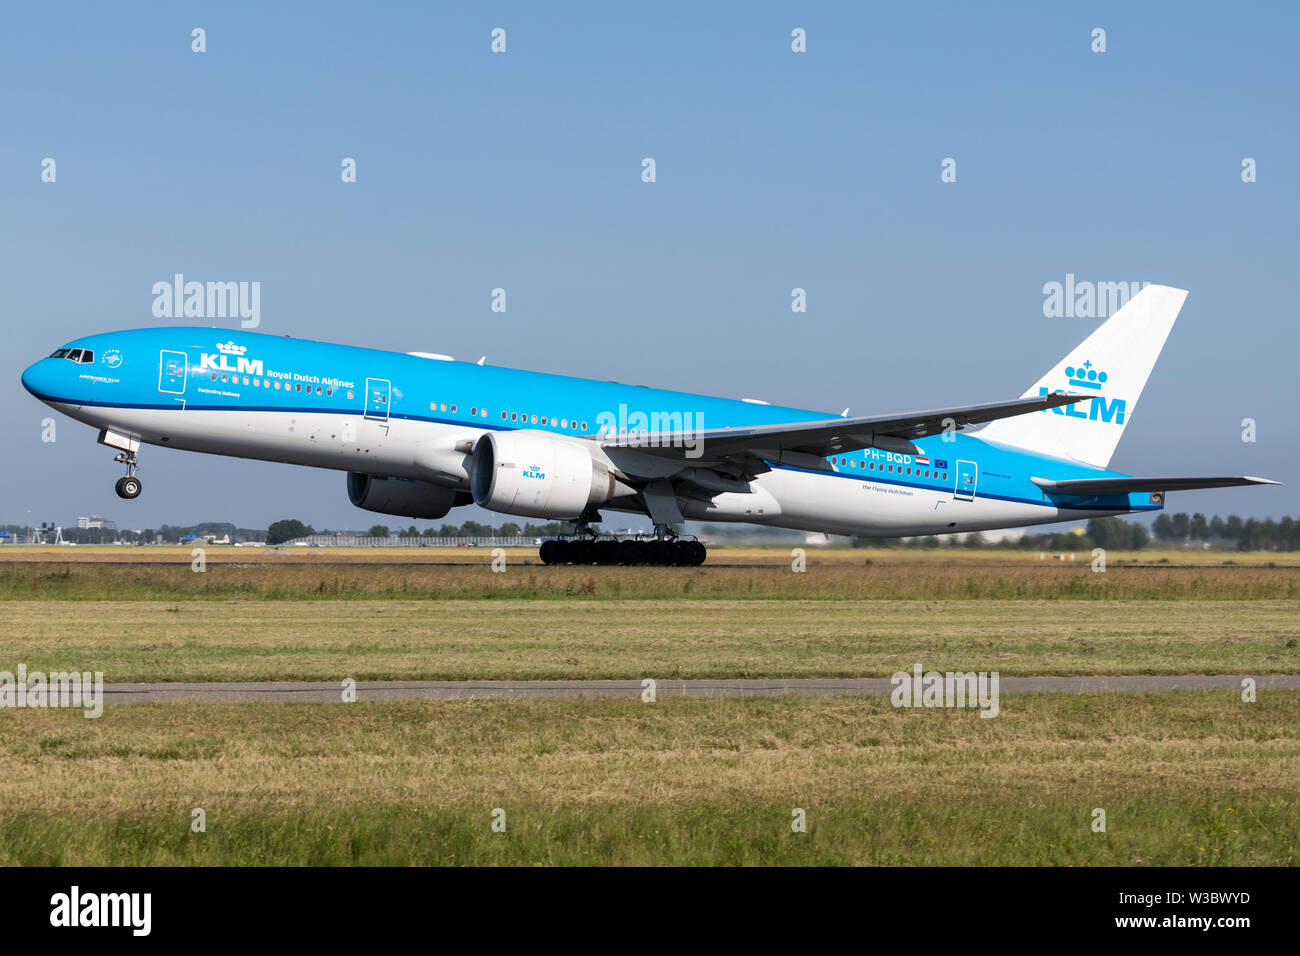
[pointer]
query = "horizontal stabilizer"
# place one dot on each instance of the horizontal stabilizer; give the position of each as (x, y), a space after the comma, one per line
(1120, 486)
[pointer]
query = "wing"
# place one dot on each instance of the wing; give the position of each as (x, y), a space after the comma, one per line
(829, 436)
(1115, 486)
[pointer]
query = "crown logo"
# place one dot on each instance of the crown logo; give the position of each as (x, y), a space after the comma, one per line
(1085, 376)
(230, 348)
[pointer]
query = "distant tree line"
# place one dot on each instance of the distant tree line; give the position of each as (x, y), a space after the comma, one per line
(291, 528)
(1179, 530)
(1250, 534)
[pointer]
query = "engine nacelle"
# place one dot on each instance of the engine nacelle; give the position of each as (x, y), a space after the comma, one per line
(537, 475)
(402, 496)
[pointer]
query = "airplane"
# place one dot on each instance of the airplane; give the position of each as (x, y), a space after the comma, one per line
(419, 433)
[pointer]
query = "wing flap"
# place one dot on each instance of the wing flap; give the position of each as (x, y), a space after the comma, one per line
(833, 435)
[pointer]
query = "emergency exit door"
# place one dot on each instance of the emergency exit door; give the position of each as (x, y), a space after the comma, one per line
(171, 372)
(967, 478)
(378, 392)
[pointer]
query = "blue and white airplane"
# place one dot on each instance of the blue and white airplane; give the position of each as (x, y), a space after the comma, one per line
(419, 434)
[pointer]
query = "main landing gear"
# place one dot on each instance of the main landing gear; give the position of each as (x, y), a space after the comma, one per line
(128, 487)
(627, 551)
(663, 550)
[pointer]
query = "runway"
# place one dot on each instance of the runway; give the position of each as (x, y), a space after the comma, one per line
(333, 692)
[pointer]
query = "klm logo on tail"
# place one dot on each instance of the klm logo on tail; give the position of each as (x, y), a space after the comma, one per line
(1100, 408)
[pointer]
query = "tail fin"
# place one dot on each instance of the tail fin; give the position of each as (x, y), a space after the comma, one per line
(1114, 363)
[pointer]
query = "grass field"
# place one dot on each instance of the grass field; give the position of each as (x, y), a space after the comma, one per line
(719, 555)
(1184, 778)
(165, 574)
(457, 639)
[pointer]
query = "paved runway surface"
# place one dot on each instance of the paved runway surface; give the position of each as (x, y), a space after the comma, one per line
(326, 692)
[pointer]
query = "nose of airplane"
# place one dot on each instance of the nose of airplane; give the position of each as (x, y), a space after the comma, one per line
(41, 377)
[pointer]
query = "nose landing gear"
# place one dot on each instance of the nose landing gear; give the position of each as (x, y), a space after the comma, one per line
(128, 487)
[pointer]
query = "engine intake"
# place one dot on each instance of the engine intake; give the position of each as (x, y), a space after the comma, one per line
(405, 497)
(536, 475)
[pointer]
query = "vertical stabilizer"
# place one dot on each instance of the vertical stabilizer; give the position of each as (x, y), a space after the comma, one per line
(1113, 363)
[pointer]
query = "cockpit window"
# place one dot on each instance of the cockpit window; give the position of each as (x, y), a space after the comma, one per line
(83, 356)
(87, 356)
(60, 353)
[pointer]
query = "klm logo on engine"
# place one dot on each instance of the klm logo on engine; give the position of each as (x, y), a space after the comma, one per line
(221, 362)
(1100, 408)
(532, 471)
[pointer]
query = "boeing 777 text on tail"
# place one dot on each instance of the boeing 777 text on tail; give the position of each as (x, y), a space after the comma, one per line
(419, 434)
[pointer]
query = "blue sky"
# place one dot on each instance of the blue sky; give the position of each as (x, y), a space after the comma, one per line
(775, 170)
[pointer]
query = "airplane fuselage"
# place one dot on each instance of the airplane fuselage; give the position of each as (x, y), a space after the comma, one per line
(405, 416)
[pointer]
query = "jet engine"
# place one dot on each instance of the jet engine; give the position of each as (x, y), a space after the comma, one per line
(539, 475)
(403, 496)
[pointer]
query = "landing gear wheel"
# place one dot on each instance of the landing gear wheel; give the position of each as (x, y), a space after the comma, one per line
(662, 553)
(693, 554)
(550, 552)
(128, 487)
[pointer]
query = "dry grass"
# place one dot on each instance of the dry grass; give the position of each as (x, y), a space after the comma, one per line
(125, 574)
(1184, 778)
(396, 639)
(720, 555)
